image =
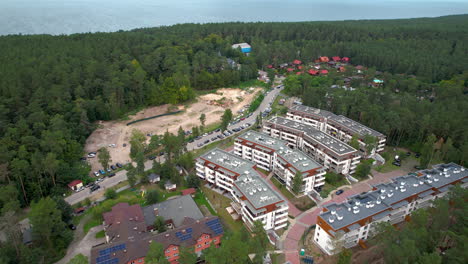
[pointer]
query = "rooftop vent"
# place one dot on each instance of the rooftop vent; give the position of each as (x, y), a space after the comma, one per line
(403, 189)
(436, 179)
(339, 217)
(378, 201)
(333, 212)
(390, 194)
(355, 211)
(331, 219)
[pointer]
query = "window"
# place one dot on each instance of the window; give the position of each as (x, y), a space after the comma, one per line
(176, 254)
(168, 251)
(206, 236)
(319, 228)
(207, 242)
(140, 260)
(198, 246)
(214, 240)
(318, 234)
(316, 239)
(174, 248)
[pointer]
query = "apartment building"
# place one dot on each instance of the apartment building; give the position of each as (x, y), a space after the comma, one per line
(273, 154)
(253, 198)
(330, 152)
(337, 126)
(353, 221)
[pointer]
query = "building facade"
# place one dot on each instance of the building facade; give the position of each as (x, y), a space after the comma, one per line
(253, 198)
(273, 154)
(352, 222)
(337, 126)
(328, 151)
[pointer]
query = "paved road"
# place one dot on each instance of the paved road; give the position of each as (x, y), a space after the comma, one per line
(106, 183)
(122, 175)
(269, 99)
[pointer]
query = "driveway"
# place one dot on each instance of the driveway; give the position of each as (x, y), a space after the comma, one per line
(82, 244)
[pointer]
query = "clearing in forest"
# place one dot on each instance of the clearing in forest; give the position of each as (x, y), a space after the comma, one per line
(118, 133)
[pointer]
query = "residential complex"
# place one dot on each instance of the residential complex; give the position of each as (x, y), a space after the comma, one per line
(128, 237)
(353, 221)
(253, 198)
(273, 154)
(332, 153)
(337, 126)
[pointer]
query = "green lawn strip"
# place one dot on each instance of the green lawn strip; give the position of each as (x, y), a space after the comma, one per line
(100, 234)
(220, 202)
(302, 203)
(200, 200)
(328, 188)
(225, 143)
(278, 258)
(92, 222)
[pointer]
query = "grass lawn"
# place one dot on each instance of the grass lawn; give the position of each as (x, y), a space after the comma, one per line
(278, 258)
(302, 203)
(220, 203)
(328, 188)
(100, 234)
(92, 222)
(200, 200)
(276, 107)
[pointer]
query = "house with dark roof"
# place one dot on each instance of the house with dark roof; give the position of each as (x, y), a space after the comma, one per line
(174, 211)
(128, 238)
(196, 234)
(170, 186)
(154, 178)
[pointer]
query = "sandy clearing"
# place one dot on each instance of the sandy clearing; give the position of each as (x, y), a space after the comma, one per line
(118, 133)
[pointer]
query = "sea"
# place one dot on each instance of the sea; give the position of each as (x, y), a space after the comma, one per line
(77, 16)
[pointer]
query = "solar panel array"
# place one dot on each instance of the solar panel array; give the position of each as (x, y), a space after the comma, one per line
(105, 255)
(215, 225)
(186, 235)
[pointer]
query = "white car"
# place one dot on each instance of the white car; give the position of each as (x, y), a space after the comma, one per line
(112, 145)
(91, 155)
(96, 173)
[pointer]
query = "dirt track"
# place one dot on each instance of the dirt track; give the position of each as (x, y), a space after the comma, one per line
(118, 133)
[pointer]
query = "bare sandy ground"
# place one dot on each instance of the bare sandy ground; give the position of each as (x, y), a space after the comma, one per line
(118, 133)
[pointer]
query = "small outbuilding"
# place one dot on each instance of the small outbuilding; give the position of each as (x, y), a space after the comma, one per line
(169, 186)
(189, 191)
(154, 178)
(75, 185)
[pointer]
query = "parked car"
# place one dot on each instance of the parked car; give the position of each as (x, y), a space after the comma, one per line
(72, 226)
(99, 179)
(205, 134)
(108, 170)
(161, 153)
(152, 157)
(91, 155)
(191, 140)
(242, 119)
(113, 167)
(408, 153)
(339, 192)
(96, 173)
(111, 175)
(218, 130)
(94, 188)
(417, 155)
(199, 145)
(418, 167)
(197, 138)
(206, 141)
(396, 163)
(102, 172)
(119, 165)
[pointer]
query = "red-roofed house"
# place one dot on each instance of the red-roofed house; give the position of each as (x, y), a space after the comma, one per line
(297, 62)
(345, 59)
(290, 69)
(324, 72)
(313, 72)
(188, 191)
(75, 185)
(298, 73)
(341, 69)
(270, 66)
(336, 58)
(324, 59)
(299, 67)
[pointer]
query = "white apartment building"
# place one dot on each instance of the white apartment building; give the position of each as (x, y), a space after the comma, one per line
(253, 198)
(352, 222)
(273, 154)
(330, 152)
(337, 126)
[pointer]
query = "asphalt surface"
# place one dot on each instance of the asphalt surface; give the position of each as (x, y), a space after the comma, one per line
(122, 175)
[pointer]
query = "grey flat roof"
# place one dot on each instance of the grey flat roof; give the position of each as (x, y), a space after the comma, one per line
(352, 125)
(320, 137)
(392, 195)
(176, 209)
(257, 190)
(298, 159)
(263, 139)
(250, 183)
(311, 110)
(228, 160)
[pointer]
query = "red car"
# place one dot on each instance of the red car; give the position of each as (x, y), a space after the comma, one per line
(242, 119)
